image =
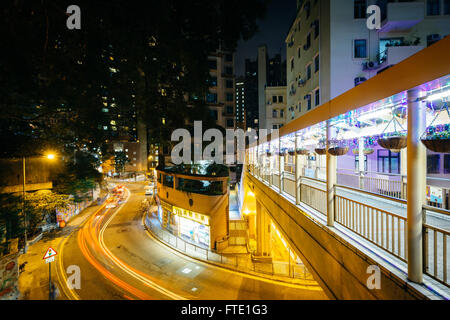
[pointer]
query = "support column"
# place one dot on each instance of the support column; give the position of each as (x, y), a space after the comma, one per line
(298, 173)
(331, 180)
(416, 170)
(403, 172)
(281, 170)
(361, 159)
(263, 230)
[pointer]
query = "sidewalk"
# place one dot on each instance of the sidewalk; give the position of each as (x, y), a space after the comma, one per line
(236, 262)
(33, 282)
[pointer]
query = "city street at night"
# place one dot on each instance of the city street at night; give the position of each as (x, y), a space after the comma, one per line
(224, 159)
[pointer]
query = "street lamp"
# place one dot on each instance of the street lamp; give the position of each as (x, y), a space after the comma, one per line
(50, 156)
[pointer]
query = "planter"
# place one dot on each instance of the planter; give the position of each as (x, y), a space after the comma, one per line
(302, 152)
(268, 154)
(291, 152)
(437, 145)
(366, 151)
(395, 144)
(338, 151)
(321, 151)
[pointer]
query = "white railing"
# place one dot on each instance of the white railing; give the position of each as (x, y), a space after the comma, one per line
(384, 229)
(242, 262)
(435, 248)
(314, 197)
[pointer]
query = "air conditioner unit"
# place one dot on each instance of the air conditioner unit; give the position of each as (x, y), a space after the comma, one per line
(359, 80)
(371, 65)
(307, 97)
(301, 82)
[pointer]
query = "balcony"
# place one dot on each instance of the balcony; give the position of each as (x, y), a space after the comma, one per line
(395, 54)
(391, 56)
(402, 16)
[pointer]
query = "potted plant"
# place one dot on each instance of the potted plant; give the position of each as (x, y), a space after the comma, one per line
(338, 151)
(366, 151)
(291, 152)
(437, 138)
(321, 151)
(302, 151)
(395, 141)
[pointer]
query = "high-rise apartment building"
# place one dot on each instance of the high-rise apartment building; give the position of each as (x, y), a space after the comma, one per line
(270, 74)
(251, 94)
(240, 103)
(330, 49)
(221, 96)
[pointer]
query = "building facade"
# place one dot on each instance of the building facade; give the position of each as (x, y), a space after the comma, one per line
(194, 207)
(330, 49)
(275, 107)
(240, 104)
(221, 96)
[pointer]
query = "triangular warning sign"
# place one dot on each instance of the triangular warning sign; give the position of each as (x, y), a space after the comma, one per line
(50, 253)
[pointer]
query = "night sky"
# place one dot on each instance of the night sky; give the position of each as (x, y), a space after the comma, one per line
(272, 32)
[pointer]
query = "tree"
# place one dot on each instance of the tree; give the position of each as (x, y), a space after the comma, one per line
(150, 57)
(79, 176)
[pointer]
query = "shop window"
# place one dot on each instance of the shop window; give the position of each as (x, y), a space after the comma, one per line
(388, 162)
(433, 163)
(168, 181)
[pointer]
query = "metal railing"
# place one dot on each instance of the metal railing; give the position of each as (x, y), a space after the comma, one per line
(313, 197)
(384, 229)
(241, 262)
(435, 248)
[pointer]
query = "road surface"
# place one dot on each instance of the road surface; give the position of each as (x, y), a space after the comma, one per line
(118, 259)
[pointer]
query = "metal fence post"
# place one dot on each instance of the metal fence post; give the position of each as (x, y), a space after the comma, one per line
(425, 241)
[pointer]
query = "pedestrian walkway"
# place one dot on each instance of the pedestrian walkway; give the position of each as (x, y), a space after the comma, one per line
(285, 271)
(234, 207)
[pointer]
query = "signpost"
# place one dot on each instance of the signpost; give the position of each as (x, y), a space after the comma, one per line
(49, 257)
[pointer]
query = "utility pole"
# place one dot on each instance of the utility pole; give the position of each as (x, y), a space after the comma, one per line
(23, 205)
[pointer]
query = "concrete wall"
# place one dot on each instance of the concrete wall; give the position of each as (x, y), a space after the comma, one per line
(339, 267)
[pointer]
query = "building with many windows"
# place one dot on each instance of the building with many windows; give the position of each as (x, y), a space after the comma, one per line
(275, 107)
(240, 104)
(330, 49)
(221, 96)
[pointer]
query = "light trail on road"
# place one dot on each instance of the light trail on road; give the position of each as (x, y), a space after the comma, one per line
(90, 239)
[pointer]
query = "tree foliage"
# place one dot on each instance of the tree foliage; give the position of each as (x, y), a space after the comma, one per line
(149, 56)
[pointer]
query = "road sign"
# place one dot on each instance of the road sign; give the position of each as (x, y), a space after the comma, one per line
(51, 259)
(50, 253)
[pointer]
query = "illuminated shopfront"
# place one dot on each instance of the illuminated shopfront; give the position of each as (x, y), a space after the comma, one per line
(189, 225)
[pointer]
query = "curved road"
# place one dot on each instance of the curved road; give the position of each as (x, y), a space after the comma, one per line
(118, 259)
